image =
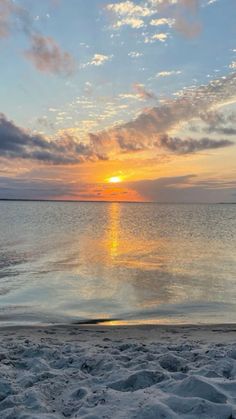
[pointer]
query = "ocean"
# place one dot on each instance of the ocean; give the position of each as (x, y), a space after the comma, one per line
(123, 263)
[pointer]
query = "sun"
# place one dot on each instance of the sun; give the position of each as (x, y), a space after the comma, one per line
(114, 179)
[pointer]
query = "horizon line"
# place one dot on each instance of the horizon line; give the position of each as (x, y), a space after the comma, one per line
(110, 202)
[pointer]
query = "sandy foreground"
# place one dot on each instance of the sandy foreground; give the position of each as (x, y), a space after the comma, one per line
(147, 372)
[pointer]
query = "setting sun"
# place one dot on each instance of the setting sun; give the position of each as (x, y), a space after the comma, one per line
(114, 179)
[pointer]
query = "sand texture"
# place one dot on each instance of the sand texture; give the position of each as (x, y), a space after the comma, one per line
(145, 372)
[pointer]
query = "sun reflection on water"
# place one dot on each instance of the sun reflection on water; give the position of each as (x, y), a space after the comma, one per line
(113, 230)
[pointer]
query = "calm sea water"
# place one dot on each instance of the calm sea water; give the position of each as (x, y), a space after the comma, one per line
(65, 262)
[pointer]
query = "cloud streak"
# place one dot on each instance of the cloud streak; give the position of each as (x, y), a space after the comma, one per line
(185, 189)
(190, 145)
(23, 188)
(168, 73)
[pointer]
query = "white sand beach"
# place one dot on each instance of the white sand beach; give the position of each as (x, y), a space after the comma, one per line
(93, 372)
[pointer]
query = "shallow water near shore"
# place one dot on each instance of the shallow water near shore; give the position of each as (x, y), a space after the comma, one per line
(133, 263)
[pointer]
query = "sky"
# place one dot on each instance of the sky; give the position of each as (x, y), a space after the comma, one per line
(118, 100)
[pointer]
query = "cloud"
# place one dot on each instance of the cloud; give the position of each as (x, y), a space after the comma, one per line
(162, 21)
(135, 54)
(48, 184)
(168, 73)
(13, 16)
(44, 52)
(162, 37)
(176, 189)
(192, 4)
(151, 130)
(98, 60)
(128, 8)
(211, 2)
(47, 56)
(216, 118)
(127, 13)
(181, 15)
(222, 131)
(130, 96)
(143, 132)
(133, 22)
(190, 145)
(18, 143)
(218, 123)
(24, 188)
(143, 93)
(187, 188)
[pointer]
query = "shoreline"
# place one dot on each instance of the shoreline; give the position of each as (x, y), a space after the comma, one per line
(136, 330)
(110, 325)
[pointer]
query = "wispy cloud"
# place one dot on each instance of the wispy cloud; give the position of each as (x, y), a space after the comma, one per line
(44, 52)
(47, 56)
(168, 73)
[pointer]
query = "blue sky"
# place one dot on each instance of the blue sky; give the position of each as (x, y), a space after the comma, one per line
(75, 73)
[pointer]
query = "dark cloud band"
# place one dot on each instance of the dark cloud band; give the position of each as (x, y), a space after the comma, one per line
(17, 143)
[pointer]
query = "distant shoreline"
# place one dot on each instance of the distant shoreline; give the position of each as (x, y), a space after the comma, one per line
(93, 325)
(113, 202)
